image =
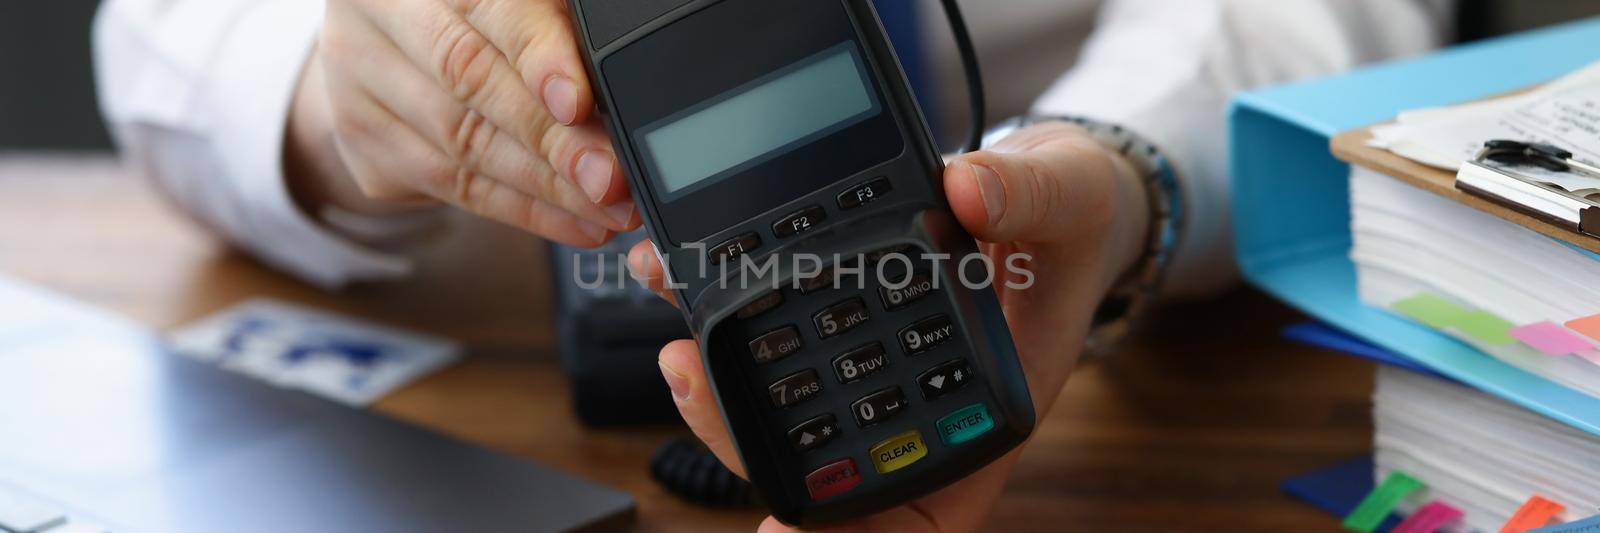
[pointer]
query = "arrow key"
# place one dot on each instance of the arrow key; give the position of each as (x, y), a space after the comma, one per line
(944, 379)
(812, 434)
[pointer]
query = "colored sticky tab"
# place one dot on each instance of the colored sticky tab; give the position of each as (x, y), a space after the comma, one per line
(1428, 518)
(1587, 525)
(1487, 328)
(1376, 506)
(1534, 513)
(1436, 312)
(1550, 338)
(1588, 326)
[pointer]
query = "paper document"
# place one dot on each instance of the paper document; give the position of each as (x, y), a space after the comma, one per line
(341, 358)
(1564, 113)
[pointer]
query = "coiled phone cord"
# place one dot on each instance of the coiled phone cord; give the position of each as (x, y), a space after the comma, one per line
(685, 468)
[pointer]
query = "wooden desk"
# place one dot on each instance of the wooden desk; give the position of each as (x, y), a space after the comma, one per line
(1190, 428)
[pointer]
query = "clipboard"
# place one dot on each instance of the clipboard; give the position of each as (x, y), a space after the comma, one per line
(1509, 186)
(1351, 147)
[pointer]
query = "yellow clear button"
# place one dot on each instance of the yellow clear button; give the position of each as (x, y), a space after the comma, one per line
(898, 452)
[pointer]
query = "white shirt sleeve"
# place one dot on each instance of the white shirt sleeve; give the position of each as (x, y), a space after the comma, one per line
(197, 93)
(1167, 70)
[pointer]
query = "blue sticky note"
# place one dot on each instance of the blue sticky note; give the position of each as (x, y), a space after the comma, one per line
(1325, 336)
(1337, 489)
(1587, 525)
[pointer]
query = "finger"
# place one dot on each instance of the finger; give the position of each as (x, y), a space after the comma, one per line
(366, 128)
(497, 201)
(462, 60)
(538, 40)
(1046, 183)
(961, 506)
(476, 144)
(584, 154)
(772, 525)
(644, 263)
(686, 376)
(376, 144)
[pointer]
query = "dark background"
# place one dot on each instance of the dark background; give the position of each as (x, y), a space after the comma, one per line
(47, 84)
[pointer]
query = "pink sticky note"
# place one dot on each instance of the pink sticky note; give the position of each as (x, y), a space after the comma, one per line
(1428, 518)
(1588, 326)
(1550, 338)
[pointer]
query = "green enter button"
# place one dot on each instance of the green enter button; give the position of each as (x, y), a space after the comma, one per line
(965, 424)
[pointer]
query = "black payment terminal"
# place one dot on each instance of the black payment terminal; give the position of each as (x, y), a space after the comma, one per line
(793, 190)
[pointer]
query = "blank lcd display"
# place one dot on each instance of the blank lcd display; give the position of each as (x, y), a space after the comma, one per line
(761, 120)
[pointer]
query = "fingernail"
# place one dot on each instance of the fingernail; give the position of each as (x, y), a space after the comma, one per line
(636, 270)
(992, 191)
(561, 98)
(636, 266)
(621, 213)
(594, 231)
(595, 170)
(675, 381)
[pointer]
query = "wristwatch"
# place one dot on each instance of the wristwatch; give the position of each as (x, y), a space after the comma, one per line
(1132, 295)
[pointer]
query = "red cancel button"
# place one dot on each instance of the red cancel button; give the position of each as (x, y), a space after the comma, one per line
(833, 479)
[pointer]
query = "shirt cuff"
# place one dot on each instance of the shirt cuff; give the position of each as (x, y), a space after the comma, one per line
(251, 91)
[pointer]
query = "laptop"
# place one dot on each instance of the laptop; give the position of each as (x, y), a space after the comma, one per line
(102, 429)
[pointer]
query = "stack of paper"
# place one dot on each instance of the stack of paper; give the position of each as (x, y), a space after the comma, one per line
(1412, 247)
(1478, 453)
(1507, 290)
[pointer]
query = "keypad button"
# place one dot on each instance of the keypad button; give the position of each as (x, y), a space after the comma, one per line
(733, 249)
(918, 286)
(799, 222)
(776, 344)
(830, 277)
(926, 334)
(865, 193)
(763, 304)
(944, 379)
(878, 406)
(796, 388)
(965, 424)
(822, 280)
(813, 433)
(898, 452)
(833, 479)
(841, 317)
(907, 250)
(859, 363)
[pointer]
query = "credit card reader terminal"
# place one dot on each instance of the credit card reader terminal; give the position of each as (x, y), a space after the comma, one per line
(793, 190)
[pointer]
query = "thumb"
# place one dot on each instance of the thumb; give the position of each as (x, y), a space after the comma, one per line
(1045, 183)
(686, 376)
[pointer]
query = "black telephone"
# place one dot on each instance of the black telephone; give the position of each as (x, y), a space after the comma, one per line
(793, 190)
(610, 330)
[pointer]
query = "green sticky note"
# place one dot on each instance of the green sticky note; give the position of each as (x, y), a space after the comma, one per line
(1486, 327)
(1380, 502)
(1436, 312)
